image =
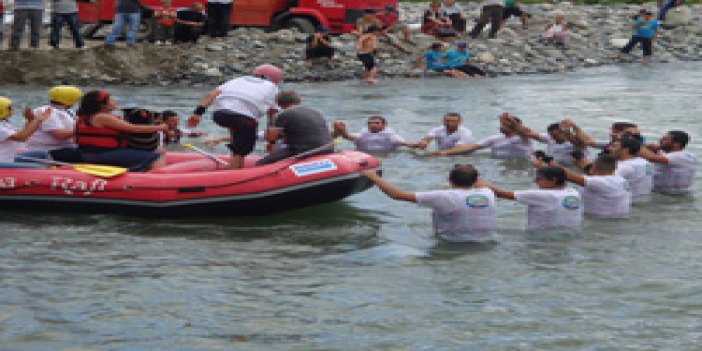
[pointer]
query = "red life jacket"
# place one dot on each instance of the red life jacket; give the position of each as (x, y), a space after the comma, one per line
(97, 138)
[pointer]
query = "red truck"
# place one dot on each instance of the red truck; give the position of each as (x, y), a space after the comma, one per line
(339, 15)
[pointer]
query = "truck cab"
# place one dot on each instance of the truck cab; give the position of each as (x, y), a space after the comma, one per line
(304, 15)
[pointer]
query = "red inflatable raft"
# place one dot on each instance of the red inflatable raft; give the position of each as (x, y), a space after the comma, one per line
(191, 185)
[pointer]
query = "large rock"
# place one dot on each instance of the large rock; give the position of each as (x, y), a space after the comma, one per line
(486, 57)
(678, 16)
(618, 42)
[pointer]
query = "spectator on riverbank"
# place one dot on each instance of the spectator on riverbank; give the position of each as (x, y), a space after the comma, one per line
(319, 46)
(557, 32)
(219, 13)
(391, 25)
(377, 137)
(2, 22)
(514, 8)
(457, 59)
(127, 12)
(645, 30)
(64, 11)
(455, 14)
(435, 60)
(492, 11)
(665, 5)
(164, 20)
(366, 44)
(31, 10)
(433, 23)
(188, 24)
(366, 21)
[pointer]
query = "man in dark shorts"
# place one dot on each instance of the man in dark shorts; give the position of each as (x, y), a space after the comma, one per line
(302, 128)
(239, 104)
(514, 8)
(365, 47)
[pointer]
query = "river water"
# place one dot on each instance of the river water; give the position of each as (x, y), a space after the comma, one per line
(366, 273)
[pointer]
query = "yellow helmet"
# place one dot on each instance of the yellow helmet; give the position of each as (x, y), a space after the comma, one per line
(5, 104)
(65, 94)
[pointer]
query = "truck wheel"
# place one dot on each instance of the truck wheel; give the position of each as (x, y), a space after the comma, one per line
(303, 25)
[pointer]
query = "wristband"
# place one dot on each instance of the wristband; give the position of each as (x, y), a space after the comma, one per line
(199, 110)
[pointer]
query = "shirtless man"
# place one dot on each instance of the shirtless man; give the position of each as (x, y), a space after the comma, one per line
(366, 45)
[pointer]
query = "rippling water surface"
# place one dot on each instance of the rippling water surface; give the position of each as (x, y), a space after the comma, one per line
(366, 273)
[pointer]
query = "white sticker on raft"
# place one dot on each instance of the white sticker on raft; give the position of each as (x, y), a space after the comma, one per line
(70, 186)
(7, 183)
(314, 167)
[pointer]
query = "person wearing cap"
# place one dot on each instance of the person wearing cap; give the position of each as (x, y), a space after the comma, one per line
(645, 31)
(435, 60)
(10, 137)
(238, 106)
(390, 20)
(492, 11)
(56, 132)
(319, 46)
(366, 21)
(458, 60)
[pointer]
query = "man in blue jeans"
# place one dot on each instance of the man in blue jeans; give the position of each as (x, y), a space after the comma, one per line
(666, 5)
(128, 12)
(64, 11)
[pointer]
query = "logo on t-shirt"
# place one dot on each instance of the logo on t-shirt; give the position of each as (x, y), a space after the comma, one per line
(477, 201)
(571, 202)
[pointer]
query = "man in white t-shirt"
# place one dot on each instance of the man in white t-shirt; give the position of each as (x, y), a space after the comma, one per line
(449, 135)
(10, 137)
(466, 212)
(238, 106)
(604, 194)
(675, 167)
(377, 137)
(560, 143)
(507, 144)
(636, 170)
(552, 205)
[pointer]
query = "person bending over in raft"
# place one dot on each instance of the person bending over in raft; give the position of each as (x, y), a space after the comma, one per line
(99, 135)
(466, 212)
(239, 104)
(10, 137)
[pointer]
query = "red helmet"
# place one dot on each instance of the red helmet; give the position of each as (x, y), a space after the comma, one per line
(270, 72)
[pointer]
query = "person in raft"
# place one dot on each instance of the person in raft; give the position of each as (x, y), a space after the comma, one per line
(10, 137)
(99, 135)
(238, 106)
(466, 212)
(552, 205)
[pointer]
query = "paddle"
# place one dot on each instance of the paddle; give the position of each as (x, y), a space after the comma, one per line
(103, 171)
(209, 155)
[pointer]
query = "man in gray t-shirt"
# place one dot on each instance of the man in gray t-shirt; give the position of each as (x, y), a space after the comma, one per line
(302, 128)
(64, 11)
(128, 12)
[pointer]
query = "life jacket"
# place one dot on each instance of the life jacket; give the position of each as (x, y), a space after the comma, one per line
(141, 141)
(89, 137)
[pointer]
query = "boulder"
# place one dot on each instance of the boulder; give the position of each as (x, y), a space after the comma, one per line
(618, 42)
(486, 57)
(678, 16)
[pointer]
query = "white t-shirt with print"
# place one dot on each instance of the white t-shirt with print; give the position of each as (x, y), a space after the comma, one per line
(444, 141)
(249, 96)
(461, 214)
(8, 147)
(678, 175)
(606, 196)
(551, 208)
(503, 146)
(559, 151)
(59, 119)
(639, 173)
(386, 140)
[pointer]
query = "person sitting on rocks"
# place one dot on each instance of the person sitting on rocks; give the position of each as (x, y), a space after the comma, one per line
(665, 5)
(319, 46)
(164, 18)
(377, 137)
(492, 11)
(366, 21)
(514, 8)
(189, 23)
(556, 32)
(458, 60)
(435, 60)
(433, 23)
(390, 24)
(365, 47)
(455, 14)
(645, 31)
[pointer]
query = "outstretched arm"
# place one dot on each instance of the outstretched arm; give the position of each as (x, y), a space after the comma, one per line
(651, 156)
(388, 189)
(458, 149)
(501, 193)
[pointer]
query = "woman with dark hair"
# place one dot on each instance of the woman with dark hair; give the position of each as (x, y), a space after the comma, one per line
(99, 135)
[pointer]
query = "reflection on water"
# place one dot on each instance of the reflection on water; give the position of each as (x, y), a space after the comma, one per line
(367, 273)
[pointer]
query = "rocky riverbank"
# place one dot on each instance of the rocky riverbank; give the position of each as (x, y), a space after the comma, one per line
(598, 31)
